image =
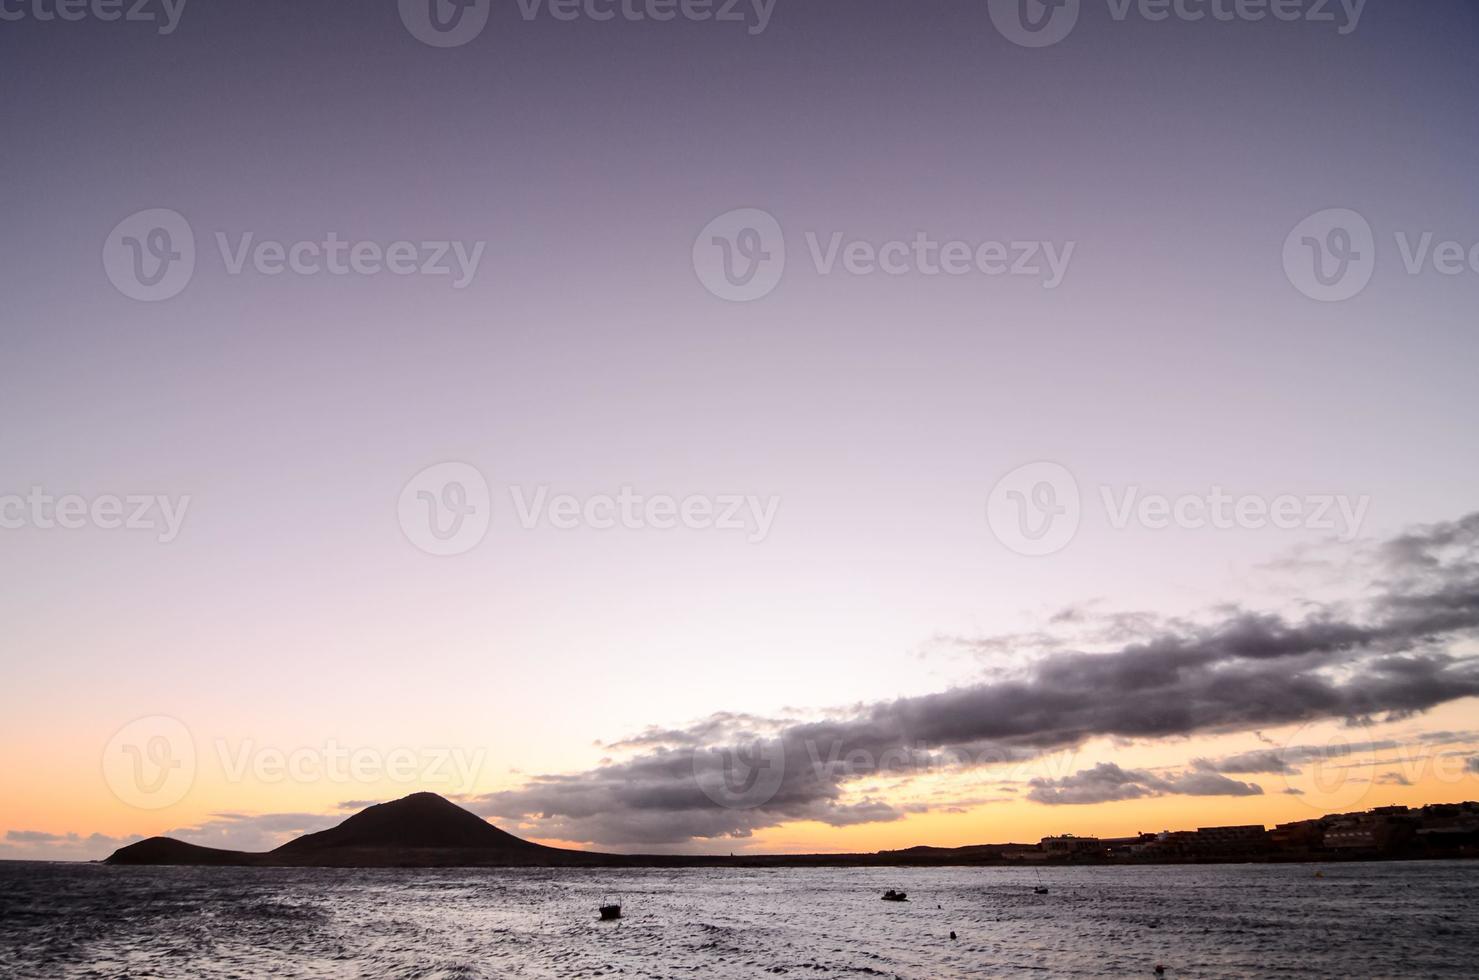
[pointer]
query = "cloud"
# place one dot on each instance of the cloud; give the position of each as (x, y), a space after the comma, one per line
(1473, 763)
(252, 832)
(1245, 671)
(229, 831)
(1447, 738)
(1290, 759)
(39, 845)
(1107, 782)
(1393, 779)
(1273, 761)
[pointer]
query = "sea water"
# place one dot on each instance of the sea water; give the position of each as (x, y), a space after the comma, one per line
(1349, 920)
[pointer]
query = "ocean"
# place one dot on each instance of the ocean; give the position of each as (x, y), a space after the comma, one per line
(1352, 920)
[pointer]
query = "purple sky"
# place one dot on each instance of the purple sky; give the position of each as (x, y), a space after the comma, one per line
(586, 354)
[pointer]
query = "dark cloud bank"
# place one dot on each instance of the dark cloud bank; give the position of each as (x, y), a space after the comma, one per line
(1248, 671)
(1107, 782)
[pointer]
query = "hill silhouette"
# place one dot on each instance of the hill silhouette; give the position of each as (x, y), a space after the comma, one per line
(420, 830)
(424, 830)
(421, 820)
(167, 850)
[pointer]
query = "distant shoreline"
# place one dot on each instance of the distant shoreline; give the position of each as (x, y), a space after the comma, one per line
(778, 861)
(424, 830)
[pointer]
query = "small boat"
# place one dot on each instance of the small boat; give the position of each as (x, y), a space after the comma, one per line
(893, 896)
(609, 912)
(1041, 890)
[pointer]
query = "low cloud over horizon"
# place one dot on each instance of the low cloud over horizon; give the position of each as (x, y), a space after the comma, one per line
(228, 831)
(1389, 657)
(1107, 783)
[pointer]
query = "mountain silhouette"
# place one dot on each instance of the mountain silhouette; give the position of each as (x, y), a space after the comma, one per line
(167, 850)
(424, 830)
(420, 830)
(421, 820)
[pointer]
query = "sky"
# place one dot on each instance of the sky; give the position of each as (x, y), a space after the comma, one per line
(821, 426)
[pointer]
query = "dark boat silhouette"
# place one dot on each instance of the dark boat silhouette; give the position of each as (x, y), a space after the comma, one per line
(609, 912)
(893, 896)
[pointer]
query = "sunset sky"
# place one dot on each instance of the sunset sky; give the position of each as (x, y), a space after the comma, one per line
(574, 683)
